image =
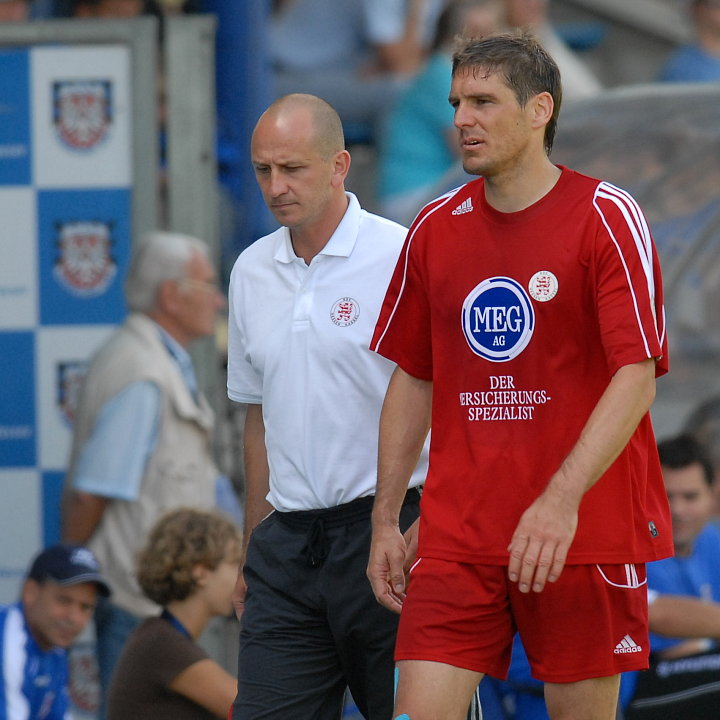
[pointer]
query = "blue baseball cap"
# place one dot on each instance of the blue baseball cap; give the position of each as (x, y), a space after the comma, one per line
(68, 564)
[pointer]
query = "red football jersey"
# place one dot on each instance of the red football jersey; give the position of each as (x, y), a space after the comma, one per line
(520, 320)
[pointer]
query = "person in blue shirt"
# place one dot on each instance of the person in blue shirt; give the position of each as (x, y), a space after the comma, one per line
(680, 624)
(57, 600)
(693, 572)
(698, 61)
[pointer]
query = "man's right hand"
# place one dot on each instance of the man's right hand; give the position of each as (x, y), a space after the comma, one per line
(386, 567)
(238, 595)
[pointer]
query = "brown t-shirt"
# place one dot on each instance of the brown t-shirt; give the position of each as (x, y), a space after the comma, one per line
(154, 655)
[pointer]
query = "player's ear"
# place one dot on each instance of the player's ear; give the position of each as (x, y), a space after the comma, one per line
(169, 296)
(341, 167)
(30, 592)
(542, 109)
(200, 574)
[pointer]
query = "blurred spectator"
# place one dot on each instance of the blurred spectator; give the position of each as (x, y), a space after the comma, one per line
(14, 10)
(698, 61)
(143, 431)
(355, 54)
(693, 571)
(695, 568)
(57, 601)
(577, 80)
(704, 425)
(683, 616)
(420, 142)
(188, 566)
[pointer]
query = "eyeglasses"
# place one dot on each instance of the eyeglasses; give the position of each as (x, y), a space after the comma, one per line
(211, 287)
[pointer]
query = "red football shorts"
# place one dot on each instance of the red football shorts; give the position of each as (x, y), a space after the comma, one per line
(592, 622)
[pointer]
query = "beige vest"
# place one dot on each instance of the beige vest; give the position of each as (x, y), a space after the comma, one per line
(180, 472)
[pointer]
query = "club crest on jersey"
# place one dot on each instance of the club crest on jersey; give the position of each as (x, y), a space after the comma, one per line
(69, 379)
(85, 266)
(543, 286)
(345, 312)
(498, 319)
(82, 112)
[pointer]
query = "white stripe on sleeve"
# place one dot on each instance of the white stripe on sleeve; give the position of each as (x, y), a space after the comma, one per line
(447, 197)
(14, 660)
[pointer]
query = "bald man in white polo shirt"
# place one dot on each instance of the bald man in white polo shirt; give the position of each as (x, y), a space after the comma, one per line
(303, 305)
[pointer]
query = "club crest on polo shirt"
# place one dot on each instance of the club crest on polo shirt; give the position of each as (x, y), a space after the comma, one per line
(345, 311)
(498, 319)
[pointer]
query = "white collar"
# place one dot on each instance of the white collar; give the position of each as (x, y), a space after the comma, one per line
(341, 242)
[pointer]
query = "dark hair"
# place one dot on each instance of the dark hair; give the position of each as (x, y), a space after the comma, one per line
(525, 65)
(704, 425)
(684, 450)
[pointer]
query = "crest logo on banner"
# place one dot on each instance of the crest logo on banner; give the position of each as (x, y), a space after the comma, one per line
(69, 377)
(82, 112)
(85, 266)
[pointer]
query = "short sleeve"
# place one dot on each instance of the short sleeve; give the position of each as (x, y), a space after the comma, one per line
(112, 461)
(629, 284)
(384, 20)
(244, 383)
(173, 654)
(402, 333)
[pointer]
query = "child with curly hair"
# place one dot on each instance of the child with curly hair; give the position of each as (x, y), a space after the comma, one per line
(188, 566)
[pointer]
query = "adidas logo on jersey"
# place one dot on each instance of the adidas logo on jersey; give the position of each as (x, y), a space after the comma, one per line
(627, 645)
(464, 207)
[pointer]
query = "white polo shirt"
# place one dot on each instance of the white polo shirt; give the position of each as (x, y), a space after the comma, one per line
(298, 343)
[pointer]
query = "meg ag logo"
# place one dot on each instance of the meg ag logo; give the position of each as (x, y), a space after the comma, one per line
(498, 319)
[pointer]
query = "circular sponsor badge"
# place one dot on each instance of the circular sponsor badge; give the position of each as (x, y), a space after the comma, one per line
(498, 319)
(543, 286)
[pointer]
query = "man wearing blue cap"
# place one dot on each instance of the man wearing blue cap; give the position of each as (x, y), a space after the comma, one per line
(58, 598)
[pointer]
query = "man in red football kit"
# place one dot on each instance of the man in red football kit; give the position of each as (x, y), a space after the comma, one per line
(526, 318)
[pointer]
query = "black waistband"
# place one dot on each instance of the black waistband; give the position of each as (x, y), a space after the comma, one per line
(315, 523)
(340, 514)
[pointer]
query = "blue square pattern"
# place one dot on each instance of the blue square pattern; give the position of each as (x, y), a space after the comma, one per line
(84, 252)
(15, 126)
(52, 487)
(17, 400)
